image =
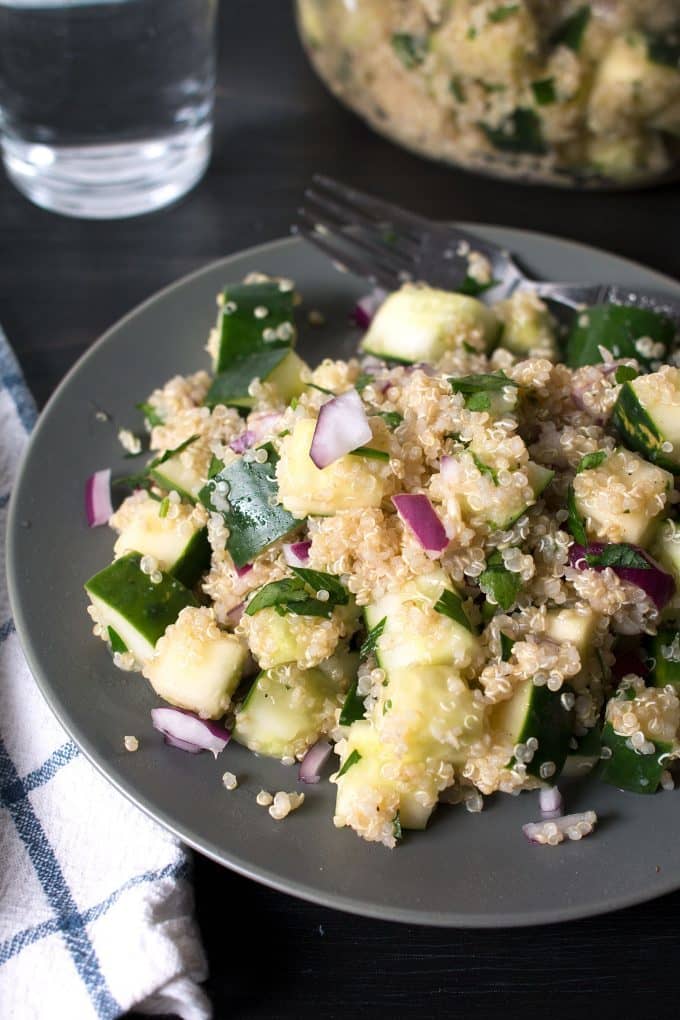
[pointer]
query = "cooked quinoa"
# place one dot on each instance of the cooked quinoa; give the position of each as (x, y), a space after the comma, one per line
(450, 600)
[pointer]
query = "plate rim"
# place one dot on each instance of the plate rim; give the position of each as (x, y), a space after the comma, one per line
(234, 862)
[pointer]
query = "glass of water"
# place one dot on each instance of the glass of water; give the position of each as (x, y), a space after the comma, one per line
(106, 105)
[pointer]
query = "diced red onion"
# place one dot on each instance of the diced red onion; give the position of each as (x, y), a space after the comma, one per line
(656, 582)
(550, 802)
(367, 306)
(314, 761)
(185, 730)
(243, 441)
(296, 554)
(234, 615)
(418, 513)
(98, 506)
(535, 831)
(242, 571)
(341, 427)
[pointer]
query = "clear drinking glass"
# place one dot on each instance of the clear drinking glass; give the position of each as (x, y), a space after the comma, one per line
(106, 105)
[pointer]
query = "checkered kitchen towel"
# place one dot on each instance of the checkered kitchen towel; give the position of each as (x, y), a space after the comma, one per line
(96, 908)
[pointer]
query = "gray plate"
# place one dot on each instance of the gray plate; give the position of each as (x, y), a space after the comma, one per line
(466, 869)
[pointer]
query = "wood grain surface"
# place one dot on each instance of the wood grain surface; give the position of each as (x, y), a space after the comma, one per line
(63, 282)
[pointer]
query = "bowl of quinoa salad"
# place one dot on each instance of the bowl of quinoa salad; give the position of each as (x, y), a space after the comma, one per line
(411, 581)
(561, 92)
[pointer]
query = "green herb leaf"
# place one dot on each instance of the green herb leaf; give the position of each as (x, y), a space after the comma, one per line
(625, 373)
(411, 49)
(157, 461)
(163, 507)
(216, 465)
(150, 413)
(485, 469)
(456, 89)
(116, 641)
(498, 583)
(353, 708)
(249, 506)
(506, 647)
(396, 827)
(449, 604)
(478, 402)
(321, 389)
(501, 13)
(351, 759)
(570, 32)
(481, 383)
(391, 418)
(317, 580)
(370, 453)
(473, 287)
(371, 643)
(520, 132)
(575, 522)
(591, 460)
(618, 555)
(289, 595)
(230, 386)
(544, 91)
(362, 381)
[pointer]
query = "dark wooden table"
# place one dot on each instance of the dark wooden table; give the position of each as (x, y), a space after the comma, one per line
(62, 282)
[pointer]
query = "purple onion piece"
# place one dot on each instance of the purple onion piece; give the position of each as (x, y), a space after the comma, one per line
(243, 441)
(656, 582)
(234, 615)
(296, 554)
(550, 802)
(367, 306)
(314, 760)
(98, 506)
(184, 729)
(242, 571)
(342, 426)
(417, 512)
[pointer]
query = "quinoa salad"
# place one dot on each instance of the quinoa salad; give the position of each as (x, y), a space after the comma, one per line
(555, 90)
(446, 568)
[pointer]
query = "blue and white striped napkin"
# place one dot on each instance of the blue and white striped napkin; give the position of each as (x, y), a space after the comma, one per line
(96, 906)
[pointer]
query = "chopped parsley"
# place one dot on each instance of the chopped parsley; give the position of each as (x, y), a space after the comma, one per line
(468, 384)
(625, 373)
(570, 32)
(449, 604)
(498, 583)
(520, 132)
(591, 460)
(544, 91)
(411, 49)
(575, 522)
(485, 469)
(353, 708)
(299, 595)
(618, 555)
(351, 759)
(150, 413)
(502, 13)
(371, 643)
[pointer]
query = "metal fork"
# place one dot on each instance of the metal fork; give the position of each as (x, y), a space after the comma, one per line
(389, 246)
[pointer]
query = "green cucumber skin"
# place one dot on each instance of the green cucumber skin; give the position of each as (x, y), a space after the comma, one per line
(665, 671)
(616, 326)
(551, 724)
(195, 559)
(638, 431)
(149, 607)
(252, 521)
(628, 770)
(241, 330)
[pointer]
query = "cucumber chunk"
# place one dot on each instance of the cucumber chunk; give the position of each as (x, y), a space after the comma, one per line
(666, 549)
(626, 768)
(195, 665)
(179, 546)
(647, 415)
(664, 648)
(347, 484)
(287, 709)
(419, 323)
(248, 311)
(608, 521)
(619, 329)
(415, 634)
(139, 611)
(245, 493)
(529, 329)
(579, 629)
(538, 713)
